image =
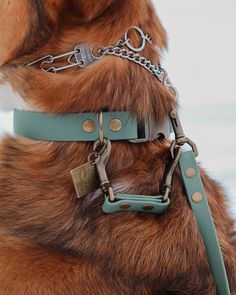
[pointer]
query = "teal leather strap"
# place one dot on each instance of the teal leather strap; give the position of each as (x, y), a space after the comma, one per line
(198, 201)
(136, 203)
(69, 127)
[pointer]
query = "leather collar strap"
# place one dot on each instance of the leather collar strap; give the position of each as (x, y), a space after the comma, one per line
(84, 127)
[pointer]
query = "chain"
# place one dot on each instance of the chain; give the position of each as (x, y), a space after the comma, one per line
(156, 70)
(82, 56)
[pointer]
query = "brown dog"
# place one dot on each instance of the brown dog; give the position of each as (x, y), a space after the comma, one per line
(53, 243)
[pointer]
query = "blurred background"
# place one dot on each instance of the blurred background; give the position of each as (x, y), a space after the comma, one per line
(201, 63)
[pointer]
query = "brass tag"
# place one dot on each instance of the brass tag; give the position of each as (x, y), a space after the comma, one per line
(85, 179)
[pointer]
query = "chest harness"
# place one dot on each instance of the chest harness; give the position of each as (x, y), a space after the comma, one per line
(102, 128)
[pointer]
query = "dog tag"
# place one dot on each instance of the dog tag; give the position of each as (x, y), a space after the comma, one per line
(85, 179)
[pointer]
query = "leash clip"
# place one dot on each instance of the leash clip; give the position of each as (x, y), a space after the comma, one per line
(176, 151)
(180, 138)
(101, 156)
(167, 182)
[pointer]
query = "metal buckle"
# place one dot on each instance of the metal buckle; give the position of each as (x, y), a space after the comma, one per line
(152, 130)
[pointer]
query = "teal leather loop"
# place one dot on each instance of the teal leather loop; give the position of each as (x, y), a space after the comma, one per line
(198, 201)
(69, 127)
(136, 203)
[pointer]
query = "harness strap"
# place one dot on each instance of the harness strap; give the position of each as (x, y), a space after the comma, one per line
(198, 201)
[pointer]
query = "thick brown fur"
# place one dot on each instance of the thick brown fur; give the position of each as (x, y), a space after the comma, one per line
(53, 243)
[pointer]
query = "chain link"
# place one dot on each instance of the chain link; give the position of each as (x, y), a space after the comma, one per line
(155, 70)
(83, 55)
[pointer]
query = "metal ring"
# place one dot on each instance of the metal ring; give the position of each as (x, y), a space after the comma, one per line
(96, 52)
(143, 38)
(100, 128)
(96, 158)
(99, 148)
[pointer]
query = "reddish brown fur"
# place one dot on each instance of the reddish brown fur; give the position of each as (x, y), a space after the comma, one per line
(52, 243)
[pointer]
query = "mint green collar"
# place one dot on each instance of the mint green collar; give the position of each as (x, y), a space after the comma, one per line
(84, 127)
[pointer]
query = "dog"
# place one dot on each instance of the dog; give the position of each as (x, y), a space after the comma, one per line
(50, 241)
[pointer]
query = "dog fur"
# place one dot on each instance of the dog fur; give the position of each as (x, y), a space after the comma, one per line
(53, 243)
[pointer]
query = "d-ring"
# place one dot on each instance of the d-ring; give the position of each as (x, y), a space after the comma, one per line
(144, 38)
(100, 128)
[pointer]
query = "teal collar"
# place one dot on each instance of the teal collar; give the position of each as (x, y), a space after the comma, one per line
(84, 127)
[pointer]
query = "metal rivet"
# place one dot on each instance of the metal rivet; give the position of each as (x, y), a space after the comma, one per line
(89, 126)
(190, 172)
(148, 207)
(197, 197)
(125, 206)
(115, 125)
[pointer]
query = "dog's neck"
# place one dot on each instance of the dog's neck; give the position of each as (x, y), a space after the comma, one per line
(111, 84)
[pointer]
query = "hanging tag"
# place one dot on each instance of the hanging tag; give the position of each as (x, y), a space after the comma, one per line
(85, 179)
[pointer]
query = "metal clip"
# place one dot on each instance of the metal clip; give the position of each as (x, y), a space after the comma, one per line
(167, 182)
(83, 55)
(52, 59)
(103, 154)
(180, 138)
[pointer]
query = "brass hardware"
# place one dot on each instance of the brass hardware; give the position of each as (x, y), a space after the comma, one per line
(125, 206)
(85, 179)
(190, 172)
(115, 125)
(197, 197)
(148, 207)
(89, 126)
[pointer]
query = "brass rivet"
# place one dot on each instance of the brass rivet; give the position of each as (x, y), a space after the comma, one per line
(197, 197)
(89, 126)
(148, 207)
(125, 206)
(115, 125)
(190, 172)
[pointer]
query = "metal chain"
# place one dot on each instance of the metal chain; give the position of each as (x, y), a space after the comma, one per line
(155, 70)
(83, 55)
